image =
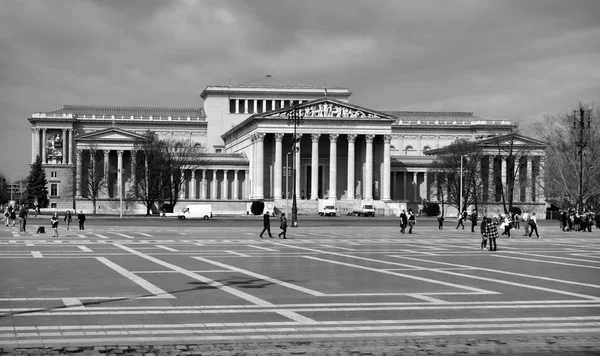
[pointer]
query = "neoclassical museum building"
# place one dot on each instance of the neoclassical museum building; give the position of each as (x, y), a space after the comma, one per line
(346, 152)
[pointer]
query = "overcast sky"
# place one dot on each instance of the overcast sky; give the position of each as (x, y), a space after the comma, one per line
(518, 60)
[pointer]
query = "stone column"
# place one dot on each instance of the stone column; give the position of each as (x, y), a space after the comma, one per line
(64, 146)
(314, 162)
(416, 186)
(369, 167)
(425, 188)
(237, 106)
(225, 192)
(278, 166)
(539, 189)
(247, 183)
(105, 172)
(404, 184)
(530, 182)
(71, 145)
(203, 185)
(351, 158)
(245, 106)
(491, 180)
(260, 159)
(503, 175)
(387, 139)
(298, 165)
(213, 189)
(33, 145)
(264, 109)
(133, 167)
(193, 184)
(119, 172)
(517, 181)
(78, 175)
(333, 165)
(394, 185)
(44, 146)
(236, 192)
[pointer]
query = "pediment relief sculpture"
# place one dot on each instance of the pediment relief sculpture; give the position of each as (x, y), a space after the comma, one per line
(331, 110)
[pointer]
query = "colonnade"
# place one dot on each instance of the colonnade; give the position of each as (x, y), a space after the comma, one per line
(216, 183)
(258, 168)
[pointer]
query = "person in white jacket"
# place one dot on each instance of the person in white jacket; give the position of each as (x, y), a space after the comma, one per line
(533, 226)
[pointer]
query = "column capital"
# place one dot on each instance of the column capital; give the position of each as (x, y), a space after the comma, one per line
(333, 137)
(106, 152)
(79, 151)
(352, 138)
(120, 153)
(279, 136)
(315, 137)
(369, 138)
(259, 137)
(44, 129)
(387, 138)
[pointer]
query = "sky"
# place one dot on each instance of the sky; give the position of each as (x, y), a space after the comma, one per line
(514, 59)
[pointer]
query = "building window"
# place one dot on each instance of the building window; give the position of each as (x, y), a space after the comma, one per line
(251, 106)
(198, 147)
(54, 189)
(218, 150)
(242, 106)
(269, 105)
(426, 148)
(52, 205)
(409, 151)
(232, 106)
(286, 103)
(259, 106)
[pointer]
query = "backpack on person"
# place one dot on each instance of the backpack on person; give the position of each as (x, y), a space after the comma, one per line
(41, 230)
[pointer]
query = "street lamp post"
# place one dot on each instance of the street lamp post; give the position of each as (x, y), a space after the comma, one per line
(461, 185)
(11, 187)
(581, 143)
(287, 179)
(295, 117)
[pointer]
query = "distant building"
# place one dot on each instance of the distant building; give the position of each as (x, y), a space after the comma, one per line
(347, 152)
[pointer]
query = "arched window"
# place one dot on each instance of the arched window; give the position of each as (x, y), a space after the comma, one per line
(198, 147)
(409, 151)
(178, 147)
(426, 148)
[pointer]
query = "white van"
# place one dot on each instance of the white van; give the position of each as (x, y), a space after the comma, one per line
(202, 211)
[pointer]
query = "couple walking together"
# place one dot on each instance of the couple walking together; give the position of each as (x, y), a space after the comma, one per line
(267, 225)
(407, 219)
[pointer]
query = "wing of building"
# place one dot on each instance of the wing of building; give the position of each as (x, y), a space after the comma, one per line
(344, 151)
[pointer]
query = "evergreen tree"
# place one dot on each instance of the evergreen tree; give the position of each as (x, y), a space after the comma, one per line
(37, 184)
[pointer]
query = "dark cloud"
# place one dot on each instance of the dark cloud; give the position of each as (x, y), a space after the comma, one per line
(513, 59)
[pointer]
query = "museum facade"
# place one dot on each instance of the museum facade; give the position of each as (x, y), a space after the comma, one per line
(344, 151)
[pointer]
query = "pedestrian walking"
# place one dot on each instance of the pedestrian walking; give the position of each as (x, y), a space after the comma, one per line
(23, 219)
(411, 220)
(483, 234)
(506, 226)
(403, 221)
(68, 218)
(473, 221)
(13, 218)
(460, 221)
(440, 221)
(266, 225)
(81, 218)
(282, 225)
(526, 217)
(533, 225)
(54, 222)
(492, 234)
(6, 217)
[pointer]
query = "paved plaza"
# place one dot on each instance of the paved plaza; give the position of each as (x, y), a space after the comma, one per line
(333, 286)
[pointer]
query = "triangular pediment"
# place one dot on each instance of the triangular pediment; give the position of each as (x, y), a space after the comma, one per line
(514, 140)
(111, 134)
(327, 108)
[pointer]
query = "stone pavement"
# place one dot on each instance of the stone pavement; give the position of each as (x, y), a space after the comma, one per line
(501, 345)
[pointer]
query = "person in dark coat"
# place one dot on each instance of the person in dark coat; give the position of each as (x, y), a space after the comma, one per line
(411, 220)
(461, 219)
(403, 221)
(473, 221)
(23, 219)
(484, 234)
(282, 225)
(68, 218)
(440, 221)
(266, 225)
(81, 219)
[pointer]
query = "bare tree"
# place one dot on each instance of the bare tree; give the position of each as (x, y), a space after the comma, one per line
(515, 148)
(446, 169)
(93, 181)
(180, 157)
(563, 168)
(149, 165)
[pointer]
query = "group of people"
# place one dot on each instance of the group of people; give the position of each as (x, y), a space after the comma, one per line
(10, 217)
(267, 226)
(68, 218)
(577, 221)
